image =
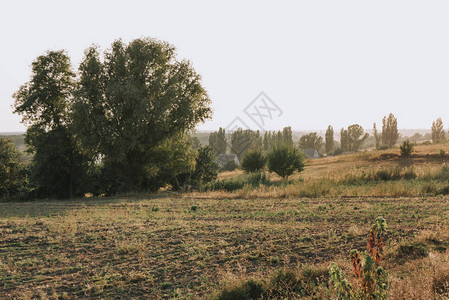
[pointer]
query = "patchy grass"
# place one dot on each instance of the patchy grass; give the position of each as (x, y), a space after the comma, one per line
(182, 246)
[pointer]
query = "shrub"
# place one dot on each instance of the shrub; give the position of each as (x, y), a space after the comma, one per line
(284, 160)
(238, 182)
(253, 161)
(406, 148)
(370, 277)
(247, 290)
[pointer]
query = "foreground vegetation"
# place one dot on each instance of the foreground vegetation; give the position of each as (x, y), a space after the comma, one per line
(175, 246)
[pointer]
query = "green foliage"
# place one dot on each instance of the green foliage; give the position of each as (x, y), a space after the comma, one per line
(339, 282)
(438, 134)
(58, 166)
(390, 132)
(238, 182)
(329, 140)
(284, 160)
(273, 138)
(253, 160)
(352, 138)
(371, 278)
(311, 141)
(217, 140)
(12, 171)
(244, 140)
(133, 101)
(206, 168)
(406, 148)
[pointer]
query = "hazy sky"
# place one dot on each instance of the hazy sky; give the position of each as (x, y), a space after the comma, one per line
(321, 62)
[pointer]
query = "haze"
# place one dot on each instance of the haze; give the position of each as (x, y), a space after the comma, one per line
(321, 62)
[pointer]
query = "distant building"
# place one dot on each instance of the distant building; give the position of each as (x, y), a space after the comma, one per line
(223, 159)
(311, 153)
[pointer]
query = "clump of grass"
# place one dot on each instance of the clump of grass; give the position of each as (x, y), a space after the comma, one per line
(410, 251)
(309, 281)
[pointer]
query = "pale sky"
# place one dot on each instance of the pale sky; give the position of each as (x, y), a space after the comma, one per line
(321, 62)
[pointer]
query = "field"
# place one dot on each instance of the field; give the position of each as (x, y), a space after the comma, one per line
(192, 245)
(175, 246)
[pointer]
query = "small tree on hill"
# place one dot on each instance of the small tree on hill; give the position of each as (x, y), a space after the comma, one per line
(329, 144)
(406, 148)
(253, 161)
(352, 138)
(438, 134)
(284, 160)
(390, 132)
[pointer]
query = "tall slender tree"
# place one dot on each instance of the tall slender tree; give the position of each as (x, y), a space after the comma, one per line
(329, 140)
(377, 137)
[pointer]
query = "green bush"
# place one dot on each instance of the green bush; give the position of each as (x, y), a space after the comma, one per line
(406, 148)
(238, 182)
(284, 160)
(13, 174)
(253, 161)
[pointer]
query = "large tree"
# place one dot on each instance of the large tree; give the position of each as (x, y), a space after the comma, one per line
(45, 102)
(390, 132)
(133, 100)
(438, 131)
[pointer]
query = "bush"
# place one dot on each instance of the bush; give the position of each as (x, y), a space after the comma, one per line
(406, 148)
(284, 160)
(238, 182)
(246, 290)
(253, 161)
(206, 168)
(12, 172)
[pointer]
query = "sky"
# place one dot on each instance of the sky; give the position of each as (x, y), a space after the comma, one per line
(317, 63)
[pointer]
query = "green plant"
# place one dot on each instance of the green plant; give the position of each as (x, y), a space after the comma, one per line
(284, 160)
(406, 148)
(253, 160)
(371, 278)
